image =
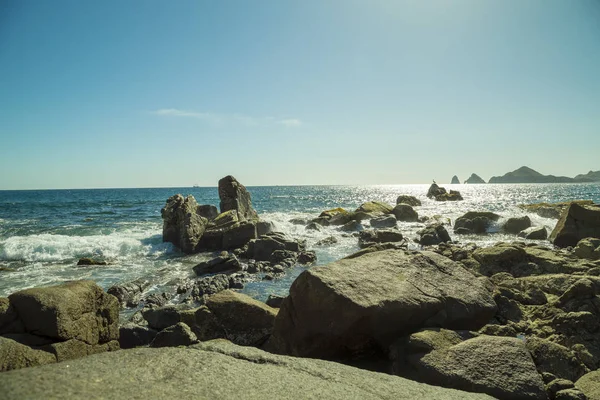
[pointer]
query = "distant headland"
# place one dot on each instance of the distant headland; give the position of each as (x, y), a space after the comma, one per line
(528, 175)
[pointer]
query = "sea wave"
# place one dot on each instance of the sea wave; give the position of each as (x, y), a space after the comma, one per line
(55, 247)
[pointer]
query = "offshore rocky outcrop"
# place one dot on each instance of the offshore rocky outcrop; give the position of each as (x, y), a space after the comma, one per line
(528, 175)
(455, 180)
(474, 179)
(45, 325)
(439, 193)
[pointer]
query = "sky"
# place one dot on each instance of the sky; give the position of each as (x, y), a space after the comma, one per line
(145, 93)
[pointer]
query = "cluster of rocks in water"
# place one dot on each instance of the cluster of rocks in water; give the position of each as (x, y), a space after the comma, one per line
(516, 320)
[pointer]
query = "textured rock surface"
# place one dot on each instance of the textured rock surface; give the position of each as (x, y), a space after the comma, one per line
(576, 223)
(588, 248)
(365, 303)
(534, 233)
(234, 196)
(433, 234)
(589, 384)
(516, 224)
(405, 212)
(74, 310)
(385, 221)
(374, 236)
(14, 355)
(214, 370)
(475, 222)
(177, 335)
(500, 367)
(410, 200)
(182, 225)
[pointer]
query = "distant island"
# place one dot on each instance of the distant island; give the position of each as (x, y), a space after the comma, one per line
(528, 175)
(474, 178)
(455, 180)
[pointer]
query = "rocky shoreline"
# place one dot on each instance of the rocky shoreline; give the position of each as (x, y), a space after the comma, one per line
(516, 320)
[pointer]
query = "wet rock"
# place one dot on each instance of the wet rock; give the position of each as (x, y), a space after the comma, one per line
(298, 221)
(129, 294)
(209, 285)
(360, 305)
(516, 224)
(433, 234)
(132, 335)
(234, 196)
(223, 263)
(498, 366)
(410, 200)
(475, 222)
(387, 221)
(307, 257)
(440, 194)
(313, 226)
(207, 211)
(588, 248)
(352, 226)
(374, 207)
(261, 249)
(177, 335)
(90, 261)
(534, 233)
(370, 237)
(328, 241)
(182, 225)
(240, 234)
(576, 223)
(275, 300)
(405, 212)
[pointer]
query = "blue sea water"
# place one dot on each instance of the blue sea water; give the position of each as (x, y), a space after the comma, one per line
(44, 233)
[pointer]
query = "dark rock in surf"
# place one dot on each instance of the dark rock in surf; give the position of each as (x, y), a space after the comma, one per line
(475, 222)
(234, 196)
(370, 237)
(385, 221)
(410, 200)
(182, 225)
(90, 261)
(223, 263)
(516, 224)
(433, 234)
(405, 212)
(534, 233)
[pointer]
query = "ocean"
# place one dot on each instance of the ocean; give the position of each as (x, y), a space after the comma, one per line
(43, 233)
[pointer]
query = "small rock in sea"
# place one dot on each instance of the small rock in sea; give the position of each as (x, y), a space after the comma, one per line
(328, 241)
(90, 261)
(313, 226)
(534, 233)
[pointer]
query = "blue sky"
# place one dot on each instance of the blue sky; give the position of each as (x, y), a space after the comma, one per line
(154, 93)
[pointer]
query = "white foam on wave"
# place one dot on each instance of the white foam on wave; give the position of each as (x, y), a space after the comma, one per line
(121, 245)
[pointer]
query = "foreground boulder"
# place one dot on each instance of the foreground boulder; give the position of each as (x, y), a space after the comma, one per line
(516, 224)
(500, 367)
(212, 371)
(66, 321)
(227, 315)
(576, 222)
(182, 224)
(361, 305)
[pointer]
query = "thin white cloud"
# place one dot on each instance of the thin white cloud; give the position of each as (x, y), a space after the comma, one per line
(215, 118)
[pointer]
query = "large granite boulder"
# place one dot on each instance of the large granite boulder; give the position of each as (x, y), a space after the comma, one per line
(227, 315)
(516, 224)
(475, 222)
(575, 223)
(410, 200)
(374, 207)
(215, 370)
(405, 212)
(363, 304)
(534, 233)
(501, 367)
(182, 224)
(234, 196)
(67, 321)
(433, 234)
